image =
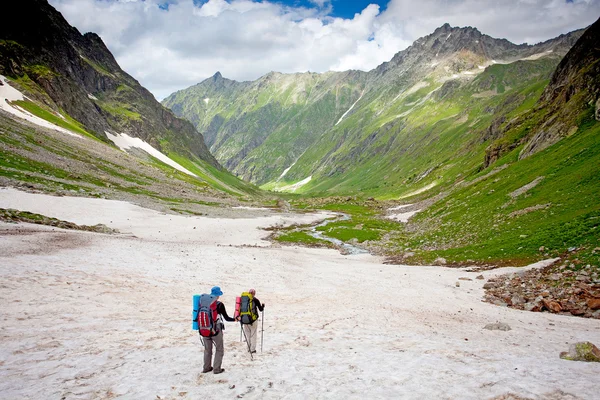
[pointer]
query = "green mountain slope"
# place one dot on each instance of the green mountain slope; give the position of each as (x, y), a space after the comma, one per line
(511, 176)
(343, 132)
(73, 81)
(258, 129)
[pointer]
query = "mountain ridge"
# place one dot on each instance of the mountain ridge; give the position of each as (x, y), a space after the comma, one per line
(65, 70)
(234, 121)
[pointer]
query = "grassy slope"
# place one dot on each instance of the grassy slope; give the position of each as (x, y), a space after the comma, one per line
(438, 141)
(21, 168)
(266, 124)
(483, 221)
(477, 219)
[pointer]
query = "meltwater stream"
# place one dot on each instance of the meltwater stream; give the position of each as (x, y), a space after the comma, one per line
(347, 248)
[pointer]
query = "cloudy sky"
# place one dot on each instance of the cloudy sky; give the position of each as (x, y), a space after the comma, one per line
(172, 44)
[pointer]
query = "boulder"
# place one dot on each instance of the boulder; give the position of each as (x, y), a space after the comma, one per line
(593, 303)
(489, 285)
(582, 351)
(552, 306)
(440, 261)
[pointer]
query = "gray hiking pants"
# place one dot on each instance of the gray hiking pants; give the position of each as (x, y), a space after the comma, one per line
(208, 349)
(251, 331)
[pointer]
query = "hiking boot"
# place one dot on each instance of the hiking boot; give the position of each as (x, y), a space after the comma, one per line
(204, 371)
(219, 371)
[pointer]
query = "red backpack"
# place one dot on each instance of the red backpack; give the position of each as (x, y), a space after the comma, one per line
(207, 316)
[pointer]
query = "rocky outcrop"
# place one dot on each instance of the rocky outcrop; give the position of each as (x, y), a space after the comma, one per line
(556, 289)
(15, 216)
(65, 70)
(574, 86)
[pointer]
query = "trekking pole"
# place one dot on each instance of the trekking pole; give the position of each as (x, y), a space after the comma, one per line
(247, 343)
(262, 329)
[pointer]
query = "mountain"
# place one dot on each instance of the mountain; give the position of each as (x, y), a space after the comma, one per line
(257, 129)
(342, 132)
(77, 74)
(71, 82)
(495, 169)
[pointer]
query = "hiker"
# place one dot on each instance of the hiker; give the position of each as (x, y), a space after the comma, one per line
(249, 321)
(215, 336)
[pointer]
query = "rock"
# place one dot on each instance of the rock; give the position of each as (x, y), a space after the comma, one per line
(542, 248)
(517, 300)
(582, 351)
(489, 285)
(440, 261)
(480, 277)
(577, 311)
(457, 284)
(498, 326)
(552, 306)
(462, 278)
(593, 303)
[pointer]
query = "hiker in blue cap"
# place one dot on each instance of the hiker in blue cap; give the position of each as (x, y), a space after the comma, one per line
(216, 338)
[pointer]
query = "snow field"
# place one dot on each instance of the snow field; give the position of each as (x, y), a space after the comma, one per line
(93, 316)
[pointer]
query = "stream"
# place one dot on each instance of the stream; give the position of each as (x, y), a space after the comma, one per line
(346, 248)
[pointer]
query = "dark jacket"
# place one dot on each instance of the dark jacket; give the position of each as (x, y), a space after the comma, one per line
(223, 312)
(258, 304)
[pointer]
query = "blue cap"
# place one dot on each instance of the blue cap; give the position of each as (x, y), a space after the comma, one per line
(216, 291)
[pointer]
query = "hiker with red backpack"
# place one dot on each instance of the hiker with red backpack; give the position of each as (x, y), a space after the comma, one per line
(248, 315)
(210, 313)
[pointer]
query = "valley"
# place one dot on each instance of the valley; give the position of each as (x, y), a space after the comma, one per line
(429, 228)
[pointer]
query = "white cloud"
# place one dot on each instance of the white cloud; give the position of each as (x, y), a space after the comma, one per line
(167, 50)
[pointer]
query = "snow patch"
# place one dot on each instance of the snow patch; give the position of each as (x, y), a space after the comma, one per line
(124, 142)
(536, 56)
(423, 189)
(9, 93)
(402, 217)
(480, 67)
(206, 100)
(448, 37)
(92, 97)
(295, 186)
(429, 341)
(286, 171)
(350, 109)
(434, 64)
(401, 207)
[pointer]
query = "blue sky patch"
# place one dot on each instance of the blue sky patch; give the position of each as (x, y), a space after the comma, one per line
(341, 8)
